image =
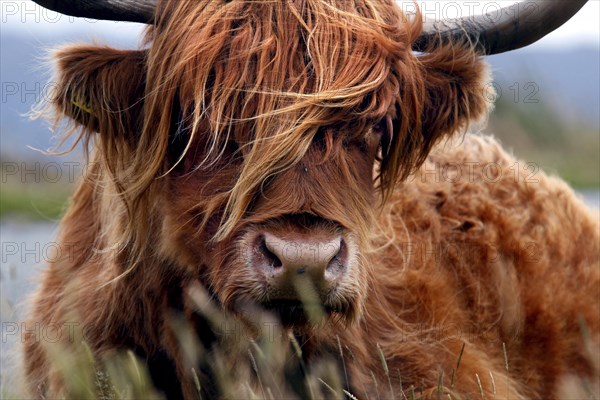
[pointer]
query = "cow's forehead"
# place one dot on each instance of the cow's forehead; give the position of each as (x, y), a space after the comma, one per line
(266, 69)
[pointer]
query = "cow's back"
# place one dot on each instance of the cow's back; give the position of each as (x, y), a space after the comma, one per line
(493, 253)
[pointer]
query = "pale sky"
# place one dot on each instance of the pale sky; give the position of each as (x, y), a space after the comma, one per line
(25, 17)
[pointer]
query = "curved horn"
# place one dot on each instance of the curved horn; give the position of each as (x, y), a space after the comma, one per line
(113, 10)
(503, 29)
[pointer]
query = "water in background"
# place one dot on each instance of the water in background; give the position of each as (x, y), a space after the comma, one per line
(25, 248)
(591, 198)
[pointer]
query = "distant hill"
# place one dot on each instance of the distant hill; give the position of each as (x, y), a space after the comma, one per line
(566, 81)
(548, 110)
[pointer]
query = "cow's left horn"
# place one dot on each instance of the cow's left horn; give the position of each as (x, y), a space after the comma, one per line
(113, 10)
(502, 29)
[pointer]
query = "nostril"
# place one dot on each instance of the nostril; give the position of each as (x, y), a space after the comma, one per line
(270, 258)
(338, 261)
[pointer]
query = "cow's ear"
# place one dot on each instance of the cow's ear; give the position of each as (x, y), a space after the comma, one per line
(442, 92)
(101, 89)
(458, 91)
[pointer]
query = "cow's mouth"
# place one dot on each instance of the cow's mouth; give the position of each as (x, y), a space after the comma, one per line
(296, 313)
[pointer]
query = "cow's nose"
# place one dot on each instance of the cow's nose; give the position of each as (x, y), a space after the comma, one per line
(283, 260)
(302, 255)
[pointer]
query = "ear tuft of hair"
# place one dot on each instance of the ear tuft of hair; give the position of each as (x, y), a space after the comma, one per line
(441, 93)
(459, 93)
(101, 90)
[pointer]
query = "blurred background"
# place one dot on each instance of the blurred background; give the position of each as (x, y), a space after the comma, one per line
(547, 112)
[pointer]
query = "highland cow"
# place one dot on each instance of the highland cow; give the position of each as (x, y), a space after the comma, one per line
(281, 159)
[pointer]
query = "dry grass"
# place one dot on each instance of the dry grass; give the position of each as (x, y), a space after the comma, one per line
(249, 364)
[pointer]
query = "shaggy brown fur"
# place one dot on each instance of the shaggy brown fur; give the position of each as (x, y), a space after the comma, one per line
(253, 115)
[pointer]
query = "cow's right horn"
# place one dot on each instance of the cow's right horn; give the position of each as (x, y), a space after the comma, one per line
(112, 10)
